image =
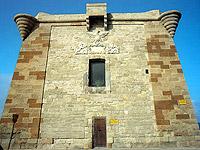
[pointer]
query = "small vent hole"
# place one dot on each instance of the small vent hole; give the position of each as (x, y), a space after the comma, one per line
(146, 71)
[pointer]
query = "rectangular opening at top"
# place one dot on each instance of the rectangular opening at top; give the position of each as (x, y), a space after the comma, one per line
(96, 22)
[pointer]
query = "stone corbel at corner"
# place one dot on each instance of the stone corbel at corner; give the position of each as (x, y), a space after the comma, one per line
(26, 24)
(169, 20)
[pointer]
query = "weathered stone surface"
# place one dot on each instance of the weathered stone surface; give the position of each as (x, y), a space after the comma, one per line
(25, 95)
(168, 84)
(141, 100)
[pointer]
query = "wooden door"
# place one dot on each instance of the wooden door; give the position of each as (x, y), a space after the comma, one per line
(99, 132)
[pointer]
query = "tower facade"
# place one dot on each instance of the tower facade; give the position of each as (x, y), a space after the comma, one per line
(98, 80)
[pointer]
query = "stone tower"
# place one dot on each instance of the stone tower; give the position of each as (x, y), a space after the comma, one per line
(98, 80)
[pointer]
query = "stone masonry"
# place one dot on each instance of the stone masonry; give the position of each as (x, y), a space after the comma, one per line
(145, 100)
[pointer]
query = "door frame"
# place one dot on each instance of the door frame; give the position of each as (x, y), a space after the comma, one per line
(93, 133)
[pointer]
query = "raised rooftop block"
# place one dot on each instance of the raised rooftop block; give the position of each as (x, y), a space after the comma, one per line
(97, 9)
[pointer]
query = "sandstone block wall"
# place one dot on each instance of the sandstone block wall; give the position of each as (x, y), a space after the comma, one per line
(168, 84)
(174, 119)
(145, 101)
(69, 104)
(26, 92)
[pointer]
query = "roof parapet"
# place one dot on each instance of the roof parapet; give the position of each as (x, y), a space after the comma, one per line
(170, 20)
(26, 24)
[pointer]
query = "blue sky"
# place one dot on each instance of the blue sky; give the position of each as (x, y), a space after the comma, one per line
(187, 38)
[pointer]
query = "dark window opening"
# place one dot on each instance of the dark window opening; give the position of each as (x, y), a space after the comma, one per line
(97, 72)
(96, 21)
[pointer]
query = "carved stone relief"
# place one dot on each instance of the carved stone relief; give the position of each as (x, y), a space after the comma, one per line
(98, 44)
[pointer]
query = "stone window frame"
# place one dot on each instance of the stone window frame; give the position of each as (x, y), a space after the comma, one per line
(98, 90)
